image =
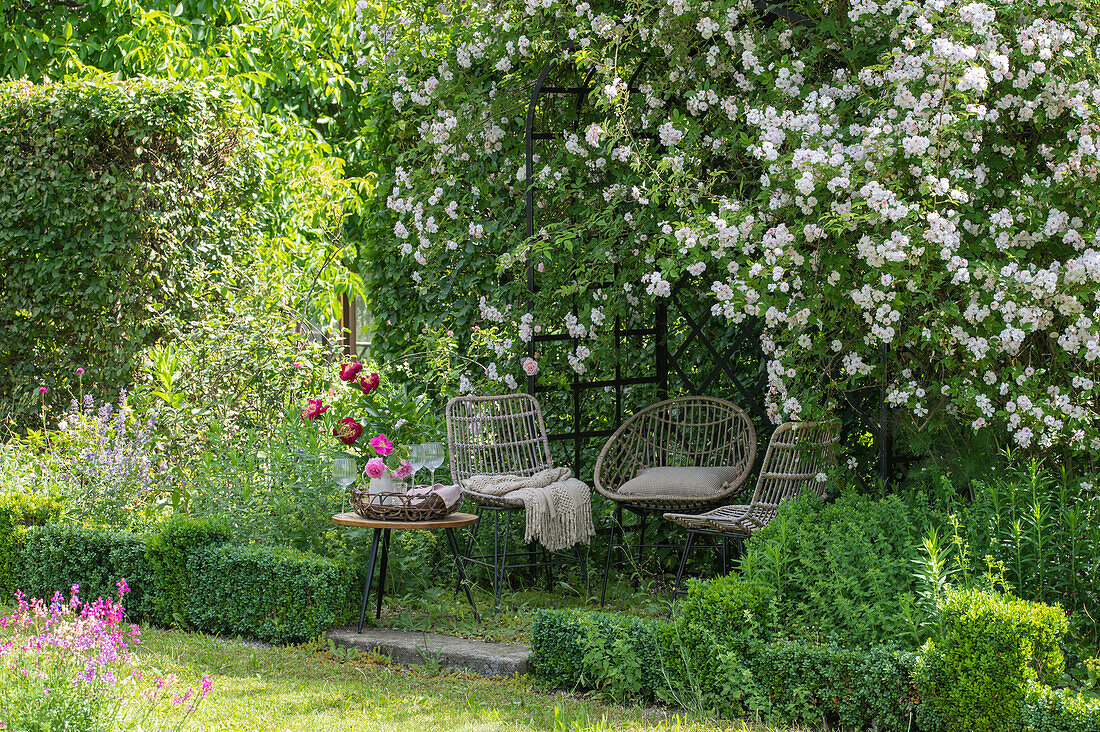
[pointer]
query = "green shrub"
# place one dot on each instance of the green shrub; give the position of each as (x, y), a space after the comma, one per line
(975, 674)
(785, 681)
(1057, 710)
(54, 557)
(620, 654)
(18, 511)
(168, 550)
(844, 570)
(271, 593)
(843, 687)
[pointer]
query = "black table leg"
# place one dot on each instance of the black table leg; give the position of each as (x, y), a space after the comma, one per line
(370, 576)
(382, 572)
(462, 572)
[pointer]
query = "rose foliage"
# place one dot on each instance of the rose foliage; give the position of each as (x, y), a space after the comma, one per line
(900, 192)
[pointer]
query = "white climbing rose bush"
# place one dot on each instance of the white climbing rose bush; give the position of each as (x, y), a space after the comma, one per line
(900, 192)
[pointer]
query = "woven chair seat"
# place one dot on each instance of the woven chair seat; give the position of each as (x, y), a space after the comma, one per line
(734, 519)
(677, 484)
(485, 499)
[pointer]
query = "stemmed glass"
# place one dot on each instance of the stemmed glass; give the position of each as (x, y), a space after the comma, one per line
(434, 454)
(416, 460)
(344, 471)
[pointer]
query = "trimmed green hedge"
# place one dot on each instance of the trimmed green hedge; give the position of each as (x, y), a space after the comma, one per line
(168, 550)
(271, 593)
(17, 512)
(1057, 710)
(781, 682)
(186, 573)
(990, 648)
(54, 557)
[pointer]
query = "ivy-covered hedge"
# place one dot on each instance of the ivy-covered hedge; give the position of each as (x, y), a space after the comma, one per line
(113, 195)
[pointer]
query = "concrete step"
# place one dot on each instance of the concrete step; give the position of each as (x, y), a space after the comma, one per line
(415, 647)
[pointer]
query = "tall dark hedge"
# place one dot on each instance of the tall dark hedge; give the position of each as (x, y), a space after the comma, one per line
(115, 197)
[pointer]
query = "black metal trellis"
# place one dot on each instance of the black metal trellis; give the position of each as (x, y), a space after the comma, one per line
(692, 353)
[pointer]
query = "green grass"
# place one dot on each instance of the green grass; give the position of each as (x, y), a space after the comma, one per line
(439, 609)
(306, 688)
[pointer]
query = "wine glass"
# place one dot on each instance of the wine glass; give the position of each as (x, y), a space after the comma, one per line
(434, 454)
(416, 460)
(344, 471)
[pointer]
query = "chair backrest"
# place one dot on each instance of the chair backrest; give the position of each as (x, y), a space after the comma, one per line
(798, 453)
(690, 431)
(496, 435)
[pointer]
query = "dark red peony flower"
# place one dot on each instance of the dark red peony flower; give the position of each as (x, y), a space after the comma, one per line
(368, 383)
(314, 409)
(349, 371)
(347, 430)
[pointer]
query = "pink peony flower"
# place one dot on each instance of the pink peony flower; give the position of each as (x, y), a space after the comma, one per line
(368, 383)
(530, 366)
(402, 471)
(382, 444)
(349, 371)
(314, 409)
(376, 467)
(347, 430)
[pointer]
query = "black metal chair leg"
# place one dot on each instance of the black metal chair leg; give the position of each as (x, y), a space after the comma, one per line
(641, 538)
(497, 569)
(683, 561)
(549, 570)
(473, 533)
(370, 576)
(615, 519)
(503, 562)
(382, 571)
(579, 550)
(462, 581)
(725, 556)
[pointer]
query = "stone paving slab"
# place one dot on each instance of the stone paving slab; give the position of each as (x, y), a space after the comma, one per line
(415, 647)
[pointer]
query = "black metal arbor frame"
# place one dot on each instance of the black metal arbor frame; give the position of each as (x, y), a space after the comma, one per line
(691, 351)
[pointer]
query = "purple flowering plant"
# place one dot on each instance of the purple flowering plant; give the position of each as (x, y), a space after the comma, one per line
(69, 661)
(107, 460)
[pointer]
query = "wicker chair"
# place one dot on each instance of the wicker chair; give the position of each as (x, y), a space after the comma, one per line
(502, 435)
(798, 453)
(686, 453)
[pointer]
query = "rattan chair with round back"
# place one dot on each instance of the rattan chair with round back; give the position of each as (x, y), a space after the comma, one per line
(797, 458)
(688, 453)
(502, 435)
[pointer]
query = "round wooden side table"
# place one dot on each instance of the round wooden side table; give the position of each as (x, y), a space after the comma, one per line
(382, 531)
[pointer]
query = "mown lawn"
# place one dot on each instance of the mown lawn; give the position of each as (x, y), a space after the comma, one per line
(307, 688)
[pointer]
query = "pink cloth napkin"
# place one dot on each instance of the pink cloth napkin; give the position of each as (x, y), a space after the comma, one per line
(450, 494)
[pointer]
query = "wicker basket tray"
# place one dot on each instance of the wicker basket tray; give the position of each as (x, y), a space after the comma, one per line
(400, 506)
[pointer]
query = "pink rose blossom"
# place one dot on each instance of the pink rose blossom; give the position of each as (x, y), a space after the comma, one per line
(382, 444)
(530, 366)
(402, 471)
(376, 467)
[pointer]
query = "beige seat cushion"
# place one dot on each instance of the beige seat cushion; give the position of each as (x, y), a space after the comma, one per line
(686, 482)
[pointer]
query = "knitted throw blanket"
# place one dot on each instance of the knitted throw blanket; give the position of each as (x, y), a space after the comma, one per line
(558, 506)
